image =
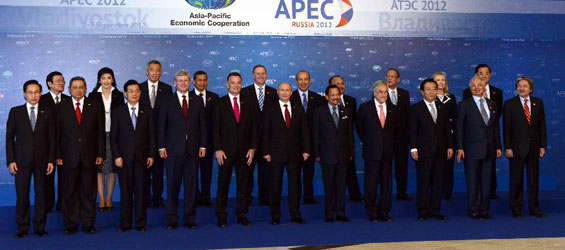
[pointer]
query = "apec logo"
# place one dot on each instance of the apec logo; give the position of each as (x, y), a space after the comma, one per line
(210, 4)
(316, 10)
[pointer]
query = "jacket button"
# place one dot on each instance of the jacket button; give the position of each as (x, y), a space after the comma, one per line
(79, 139)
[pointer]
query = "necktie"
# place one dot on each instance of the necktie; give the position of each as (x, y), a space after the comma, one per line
(286, 116)
(393, 97)
(527, 110)
(78, 113)
(483, 111)
(203, 100)
(335, 116)
(304, 102)
(433, 112)
(133, 117)
(261, 99)
(153, 96)
(382, 117)
(32, 118)
(236, 109)
(184, 106)
(56, 99)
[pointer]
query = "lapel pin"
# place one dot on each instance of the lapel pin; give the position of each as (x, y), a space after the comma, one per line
(141, 111)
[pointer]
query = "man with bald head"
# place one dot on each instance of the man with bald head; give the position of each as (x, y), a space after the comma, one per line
(286, 141)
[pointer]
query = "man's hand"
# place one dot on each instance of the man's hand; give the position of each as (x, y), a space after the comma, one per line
(305, 156)
(498, 153)
(318, 159)
(414, 155)
(509, 153)
(149, 162)
(267, 158)
(460, 155)
(249, 155)
(49, 168)
(220, 157)
(99, 161)
(163, 153)
(119, 162)
(449, 153)
(541, 152)
(13, 168)
(59, 162)
(201, 152)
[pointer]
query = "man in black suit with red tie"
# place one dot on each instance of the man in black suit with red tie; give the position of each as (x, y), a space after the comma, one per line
(525, 141)
(286, 141)
(259, 95)
(493, 93)
(333, 143)
(351, 172)
(30, 150)
(309, 101)
(431, 145)
(209, 99)
(375, 126)
(81, 148)
(154, 93)
(400, 99)
(235, 139)
(56, 85)
(182, 140)
(133, 142)
(478, 143)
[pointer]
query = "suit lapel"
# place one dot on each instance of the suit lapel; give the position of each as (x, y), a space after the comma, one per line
(26, 115)
(493, 115)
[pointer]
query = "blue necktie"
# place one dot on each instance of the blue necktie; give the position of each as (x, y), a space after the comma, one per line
(133, 117)
(32, 118)
(261, 99)
(304, 102)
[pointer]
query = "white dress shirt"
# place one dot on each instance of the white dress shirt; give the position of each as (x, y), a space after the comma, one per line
(36, 108)
(107, 105)
(257, 91)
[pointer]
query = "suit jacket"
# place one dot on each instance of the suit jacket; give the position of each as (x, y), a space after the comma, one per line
(477, 139)
(377, 141)
(520, 136)
(164, 92)
(234, 138)
(282, 143)
(495, 95)
(129, 143)
(450, 102)
(432, 139)
(47, 99)
(211, 102)
(403, 112)
(24, 145)
(333, 145)
(248, 93)
(173, 130)
(314, 100)
(80, 142)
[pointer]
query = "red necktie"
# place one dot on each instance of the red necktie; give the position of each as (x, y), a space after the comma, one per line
(184, 106)
(286, 115)
(527, 110)
(236, 109)
(77, 110)
(382, 115)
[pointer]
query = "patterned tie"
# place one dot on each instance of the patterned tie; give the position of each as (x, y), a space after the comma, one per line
(78, 113)
(433, 112)
(483, 111)
(153, 96)
(236, 109)
(304, 102)
(184, 106)
(261, 99)
(56, 99)
(393, 97)
(286, 115)
(203, 100)
(527, 110)
(133, 117)
(382, 117)
(32, 118)
(335, 116)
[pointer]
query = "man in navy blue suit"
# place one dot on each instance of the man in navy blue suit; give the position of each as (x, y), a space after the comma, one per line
(30, 150)
(182, 139)
(478, 143)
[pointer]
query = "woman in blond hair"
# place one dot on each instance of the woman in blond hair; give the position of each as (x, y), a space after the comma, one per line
(448, 100)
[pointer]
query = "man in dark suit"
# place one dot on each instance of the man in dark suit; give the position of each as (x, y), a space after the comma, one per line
(493, 93)
(309, 101)
(375, 127)
(209, 99)
(56, 85)
(259, 95)
(333, 143)
(155, 93)
(182, 139)
(431, 145)
(400, 98)
(286, 141)
(235, 139)
(478, 143)
(30, 150)
(81, 148)
(132, 137)
(525, 141)
(351, 171)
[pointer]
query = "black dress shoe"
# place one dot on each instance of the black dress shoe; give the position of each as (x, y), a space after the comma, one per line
(342, 218)
(141, 229)
(190, 225)
(422, 217)
(222, 223)
(243, 221)
(310, 202)
(172, 226)
(70, 231)
(374, 220)
(20, 234)
(516, 214)
(494, 197)
(275, 221)
(447, 197)
(298, 220)
(537, 213)
(403, 197)
(329, 219)
(439, 217)
(206, 203)
(474, 216)
(356, 199)
(41, 233)
(264, 203)
(89, 230)
(123, 229)
(110, 208)
(159, 204)
(486, 217)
